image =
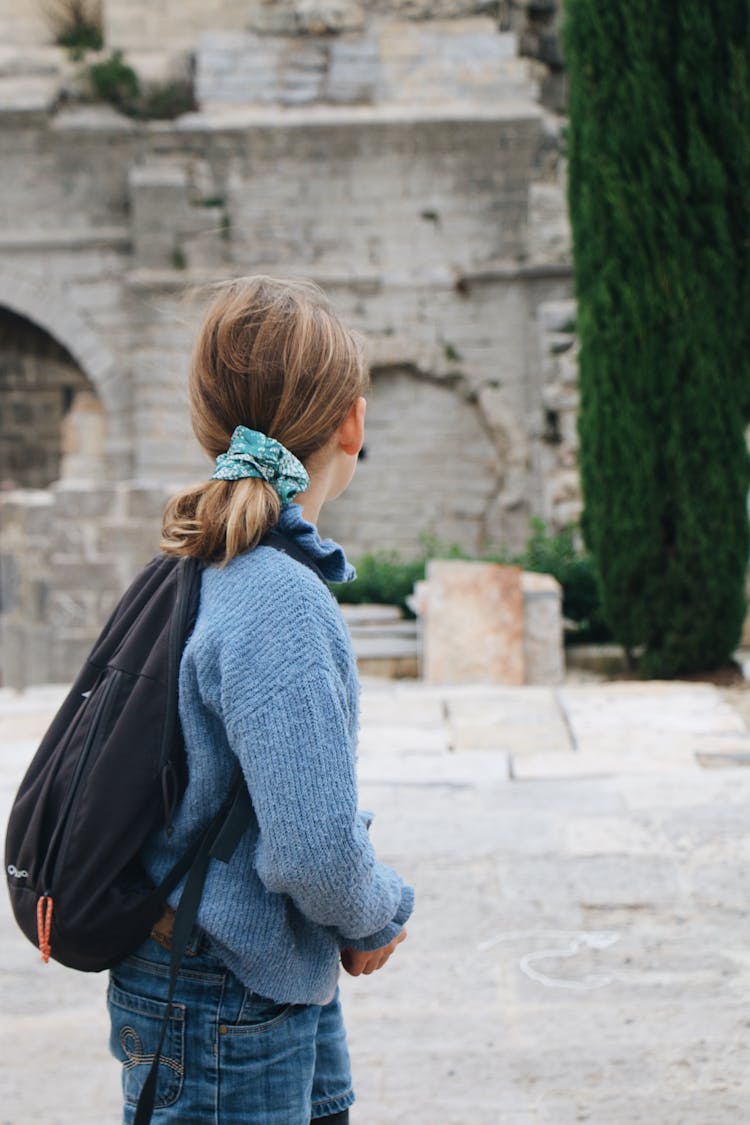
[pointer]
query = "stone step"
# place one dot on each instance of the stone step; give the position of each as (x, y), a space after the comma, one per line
(382, 646)
(358, 615)
(380, 633)
(392, 629)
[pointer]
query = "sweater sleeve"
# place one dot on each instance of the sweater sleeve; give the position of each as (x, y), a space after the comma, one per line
(299, 763)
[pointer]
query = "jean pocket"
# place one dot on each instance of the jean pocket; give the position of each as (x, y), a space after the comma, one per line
(135, 1026)
(257, 1014)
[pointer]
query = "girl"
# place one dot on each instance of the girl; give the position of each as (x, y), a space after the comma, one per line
(268, 679)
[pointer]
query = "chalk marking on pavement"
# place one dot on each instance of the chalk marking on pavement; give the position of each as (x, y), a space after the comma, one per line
(576, 941)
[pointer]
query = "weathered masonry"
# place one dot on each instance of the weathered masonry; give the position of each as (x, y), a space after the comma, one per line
(405, 165)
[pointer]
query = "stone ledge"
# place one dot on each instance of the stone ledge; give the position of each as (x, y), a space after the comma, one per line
(65, 238)
(242, 118)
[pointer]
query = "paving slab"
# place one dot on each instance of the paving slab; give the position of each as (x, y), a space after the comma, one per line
(649, 714)
(579, 950)
(506, 719)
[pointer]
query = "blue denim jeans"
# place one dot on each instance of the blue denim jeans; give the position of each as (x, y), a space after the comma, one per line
(229, 1055)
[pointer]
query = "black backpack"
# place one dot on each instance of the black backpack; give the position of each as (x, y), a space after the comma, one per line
(109, 771)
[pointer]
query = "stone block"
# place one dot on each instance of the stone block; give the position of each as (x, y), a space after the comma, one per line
(396, 707)
(521, 723)
(67, 655)
(69, 574)
(81, 500)
(354, 72)
(237, 69)
(357, 615)
(131, 540)
(12, 654)
(395, 738)
(382, 644)
(24, 26)
(73, 610)
(36, 600)
(544, 656)
(9, 582)
(37, 664)
(473, 623)
(145, 501)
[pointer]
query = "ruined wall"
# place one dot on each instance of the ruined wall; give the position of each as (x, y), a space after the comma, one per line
(436, 225)
(430, 263)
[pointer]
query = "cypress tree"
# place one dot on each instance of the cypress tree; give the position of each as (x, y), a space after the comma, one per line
(659, 194)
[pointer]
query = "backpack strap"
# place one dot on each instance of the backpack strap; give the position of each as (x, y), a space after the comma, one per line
(219, 841)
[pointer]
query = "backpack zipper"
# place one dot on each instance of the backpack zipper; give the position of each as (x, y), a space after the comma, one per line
(104, 706)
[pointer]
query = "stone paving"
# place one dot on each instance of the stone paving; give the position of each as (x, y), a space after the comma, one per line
(580, 949)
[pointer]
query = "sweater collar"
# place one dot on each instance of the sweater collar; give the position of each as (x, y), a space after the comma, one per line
(328, 556)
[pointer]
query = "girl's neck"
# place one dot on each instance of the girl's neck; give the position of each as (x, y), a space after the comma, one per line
(324, 485)
(311, 502)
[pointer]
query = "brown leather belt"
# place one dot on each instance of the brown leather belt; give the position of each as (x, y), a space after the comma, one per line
(163, 929)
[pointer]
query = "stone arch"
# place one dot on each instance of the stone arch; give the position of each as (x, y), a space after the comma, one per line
(431, 467)
(44, 303)
(53, 424)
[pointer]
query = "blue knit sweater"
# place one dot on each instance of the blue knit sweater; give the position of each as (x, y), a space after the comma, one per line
(268, 677)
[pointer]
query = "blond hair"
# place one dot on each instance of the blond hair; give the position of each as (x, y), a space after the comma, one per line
(273, 357)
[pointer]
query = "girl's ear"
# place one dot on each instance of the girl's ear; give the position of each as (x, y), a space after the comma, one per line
(351, 434)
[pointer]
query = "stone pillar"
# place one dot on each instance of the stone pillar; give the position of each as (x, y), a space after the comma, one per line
(473, 623)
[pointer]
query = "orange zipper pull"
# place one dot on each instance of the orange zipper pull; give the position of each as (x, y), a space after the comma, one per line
(44, 908)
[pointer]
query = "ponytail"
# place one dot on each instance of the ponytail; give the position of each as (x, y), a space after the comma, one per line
(218, 519)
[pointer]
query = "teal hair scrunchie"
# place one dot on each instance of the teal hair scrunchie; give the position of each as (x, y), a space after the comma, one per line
(252, 454)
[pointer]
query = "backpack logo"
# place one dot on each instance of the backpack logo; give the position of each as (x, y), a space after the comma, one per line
(13, 870)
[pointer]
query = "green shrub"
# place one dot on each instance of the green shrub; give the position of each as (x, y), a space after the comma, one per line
(113, 80)
(78, 25)
(383, 579)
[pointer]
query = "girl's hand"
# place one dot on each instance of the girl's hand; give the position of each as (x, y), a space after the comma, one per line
(357, 964)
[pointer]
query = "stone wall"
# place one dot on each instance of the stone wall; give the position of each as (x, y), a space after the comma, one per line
(557, 450)
(395, 154)
(67, 553)
(384, 62)
(431, 263)
(24, 25)
(161, 38)
(139, 25)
